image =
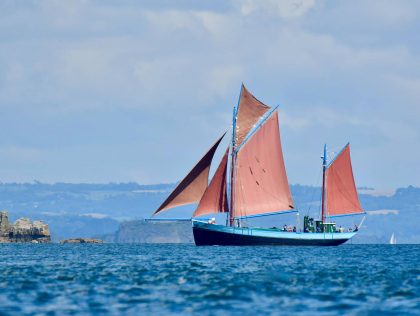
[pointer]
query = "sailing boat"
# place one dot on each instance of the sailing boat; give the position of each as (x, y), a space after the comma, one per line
(251, 181)
(393, 240)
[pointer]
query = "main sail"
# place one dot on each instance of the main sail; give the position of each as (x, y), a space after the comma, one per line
(341, 192)
(192, 187)
(214, 199)
(260, 180)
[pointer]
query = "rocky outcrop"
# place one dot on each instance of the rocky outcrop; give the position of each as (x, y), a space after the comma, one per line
(23, 230)
(81, 241)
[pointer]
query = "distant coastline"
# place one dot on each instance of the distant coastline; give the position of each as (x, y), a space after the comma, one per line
(92, 210)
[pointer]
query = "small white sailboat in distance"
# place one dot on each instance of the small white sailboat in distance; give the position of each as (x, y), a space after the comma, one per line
(393, 240)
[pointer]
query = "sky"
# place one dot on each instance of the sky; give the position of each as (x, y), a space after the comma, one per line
(116, 91)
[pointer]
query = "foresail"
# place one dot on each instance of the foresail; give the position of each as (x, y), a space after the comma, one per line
(261, 184)
(341, 192)
(249, 112)
(191, 188)
(214, 199)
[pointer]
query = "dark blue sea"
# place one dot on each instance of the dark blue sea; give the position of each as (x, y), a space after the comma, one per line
(124, 279)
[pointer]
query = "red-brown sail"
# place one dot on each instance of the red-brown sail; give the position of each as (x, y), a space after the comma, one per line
(261, 184)
(191, 188)
(341, 193)
(214, 199)
(250, 110)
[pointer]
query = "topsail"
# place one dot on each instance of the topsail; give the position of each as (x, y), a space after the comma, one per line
(249, 112)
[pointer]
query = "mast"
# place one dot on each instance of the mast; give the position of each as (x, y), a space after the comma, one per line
(231, 189)
(232, 165)
(324, 167)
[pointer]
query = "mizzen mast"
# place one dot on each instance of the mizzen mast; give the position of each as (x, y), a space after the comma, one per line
(324, 168)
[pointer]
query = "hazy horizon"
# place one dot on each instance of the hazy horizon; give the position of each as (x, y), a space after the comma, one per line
(385, 191)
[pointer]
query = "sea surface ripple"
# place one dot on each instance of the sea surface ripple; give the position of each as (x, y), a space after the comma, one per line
(133, 279)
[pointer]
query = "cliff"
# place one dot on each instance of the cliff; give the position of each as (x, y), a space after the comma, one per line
(23, 230)
(142, 231)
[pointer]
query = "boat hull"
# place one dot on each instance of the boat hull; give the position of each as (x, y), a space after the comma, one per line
(210, 235)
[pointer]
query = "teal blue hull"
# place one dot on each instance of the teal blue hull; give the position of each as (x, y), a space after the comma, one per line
(206, 234)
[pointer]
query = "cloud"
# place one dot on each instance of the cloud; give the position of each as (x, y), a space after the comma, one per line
(19, 154)
(285, 9)
(383, 212)
(224, 79)
(172, 20)
(95, 215)
(151, 78)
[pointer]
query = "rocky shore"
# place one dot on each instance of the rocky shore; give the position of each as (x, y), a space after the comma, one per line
(23, 230)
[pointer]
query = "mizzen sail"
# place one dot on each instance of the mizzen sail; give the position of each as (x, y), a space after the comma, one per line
(341, 193)
(192, 187)
(261, 184)
(214, 199)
